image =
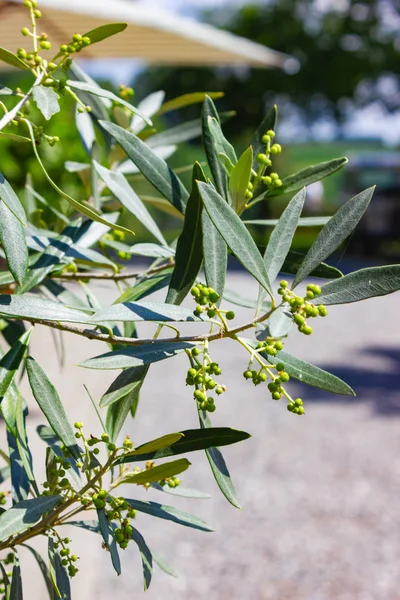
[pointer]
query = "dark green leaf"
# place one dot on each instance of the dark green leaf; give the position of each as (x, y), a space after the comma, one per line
(146, 556)
(137, 356)
(146, 286)
(143, 311)
(16, 581)
(215, 253)
(334, 233)
(217, 171)
(119, 410)
(36, 308)
(20, 484)
(11, 200)
(158, 472)
(162, 511)
(360, 285)
(49, 401)
(281, 238)
(22, 442)
(121, 189)
(43, 569)
(269, 122)
(187, 100)
(58, 573)
(107, 533)
(235, 234)
(5, 582)
(128, 381)
(311, 375)
(23, 515)
(154, 168)
(217, 462)
(12, 238)
(46, 100)
(12, 59)
(188, 255)
(239, 180)
(193, 440)
(48, 436)
(105, 31)
(294, 260)
(11, 361)
(97, 105)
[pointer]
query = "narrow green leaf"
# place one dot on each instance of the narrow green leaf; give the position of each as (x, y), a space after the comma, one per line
(240, 300)
(154, 168)
(46, 100)
(82, 208)
(152, 250)
(25, 514)
(11, 200)
(187, 100)
(162, 511)
(310, 175)
(51, 257)
(49, 402)
(58, 573)
(5, 582)
(162, 564)
(235, 234)
(180, 491)
(47, 204)
(215, 253)
(98, 105)
(311, 375)
(21, 139)
(82, 86)
(136, 356)
(20, 485)
(128, 381)
(146, 556)
(360, 285)
(282, 236)
(143, 311)
(11, 361)
(120, 409)
(278, 325)
(146, 286)
(192, 441)
(217, 463)
(16, 581)
(35, 308)
(334, 233)
(121, 189)
(239, 180)
(12, 59)
(43, 569)
(294, 260)
(5, 91)
(188, 255)
(22, 442)
(217, 171)
(107, 533)
(158, 472)
(221, 144)
(159, 443)
(148, 106)
(105, 31)
(269, 122)
(303, 222)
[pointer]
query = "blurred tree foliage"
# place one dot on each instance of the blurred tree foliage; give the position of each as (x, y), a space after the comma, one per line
(348, 53)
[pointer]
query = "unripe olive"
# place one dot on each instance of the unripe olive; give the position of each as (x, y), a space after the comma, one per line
(230, 315)
(262, 159)
(25, 31)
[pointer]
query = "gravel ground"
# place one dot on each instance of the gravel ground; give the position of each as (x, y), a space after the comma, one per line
(320, 518)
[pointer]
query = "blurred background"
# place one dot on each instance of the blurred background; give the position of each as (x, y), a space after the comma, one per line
(319, 494)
